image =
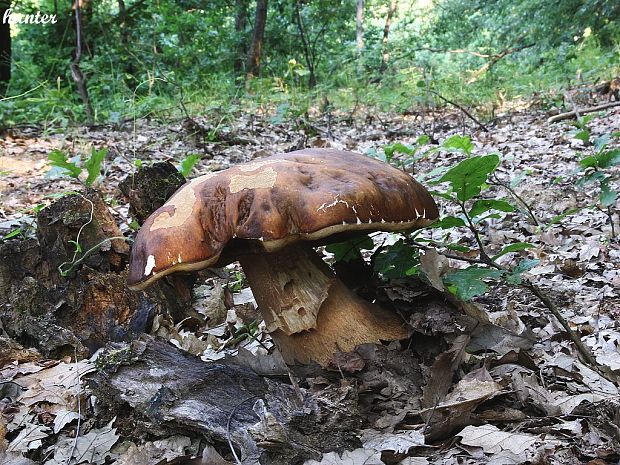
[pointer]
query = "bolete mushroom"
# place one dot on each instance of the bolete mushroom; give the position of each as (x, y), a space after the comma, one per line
(268, 214)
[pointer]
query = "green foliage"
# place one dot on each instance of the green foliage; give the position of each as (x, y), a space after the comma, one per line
(468, 282)
(398, 260)
(468, 177)
(595, 168)
(60, 159)
(73, 168)
(350, 249)
(194, 52)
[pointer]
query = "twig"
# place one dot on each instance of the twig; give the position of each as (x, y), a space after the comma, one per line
(230, 417)
(571, 114)
(506, 186)
(472, 117)
(581, 347)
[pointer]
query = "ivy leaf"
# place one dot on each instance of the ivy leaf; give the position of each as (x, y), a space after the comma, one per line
(59, 159)
(482, 206)
(349, 250)
(458, 143)
(188, 163)
(397, 260)
(468, 177)
(514, 277)
(93, 165)
(468, 283)
(516, 247)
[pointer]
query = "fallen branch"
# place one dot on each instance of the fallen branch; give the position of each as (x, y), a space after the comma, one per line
(472, 117)
(573, 114)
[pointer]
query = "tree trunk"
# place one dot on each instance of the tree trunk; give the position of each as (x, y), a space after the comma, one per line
(304, 41)
(386, 33)
(241, 22)
(254, 54)
(5, 48)
(76, 72)
(359, 20)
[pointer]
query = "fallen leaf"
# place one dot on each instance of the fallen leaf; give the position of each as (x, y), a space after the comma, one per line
(493, 441)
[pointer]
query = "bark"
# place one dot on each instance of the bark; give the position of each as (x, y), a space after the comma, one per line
(161, 391)
(241, 22)
(309, 312)
(359, 21)
(76, 72)
(256, 47)
(308, 55)
(386, 32)
(5, 49)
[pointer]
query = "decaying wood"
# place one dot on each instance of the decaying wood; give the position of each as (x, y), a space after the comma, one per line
(161, 391)
(149, 188)
(85, 219)
(573, 114)
(80, 312)
(310, 313)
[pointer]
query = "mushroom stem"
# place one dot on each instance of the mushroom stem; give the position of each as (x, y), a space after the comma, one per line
(309, 312)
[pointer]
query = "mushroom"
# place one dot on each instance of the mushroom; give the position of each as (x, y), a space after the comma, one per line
(268, 214)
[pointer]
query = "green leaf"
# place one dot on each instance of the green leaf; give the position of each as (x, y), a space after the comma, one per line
(601, 142)
(448, 222)
(14, 233)
(514, 277)
(583, 135)
(588, 162)
(516, 247)
(424, 139)
(458, 143)
(607, 196)
(608, 159)
(93, 165)
(397, 147)
(188, 163)
(482, 206)
(468, 177)
(349, 250)
(59, 159)
(397, 260)
(468, 283)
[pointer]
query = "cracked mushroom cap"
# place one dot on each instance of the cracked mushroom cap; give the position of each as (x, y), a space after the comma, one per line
(266, 204)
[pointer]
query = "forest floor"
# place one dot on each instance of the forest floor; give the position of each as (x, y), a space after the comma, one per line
(515, 391)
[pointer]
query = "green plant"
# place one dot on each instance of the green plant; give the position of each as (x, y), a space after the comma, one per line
(596, 168)
(74, 167)
(187, 164)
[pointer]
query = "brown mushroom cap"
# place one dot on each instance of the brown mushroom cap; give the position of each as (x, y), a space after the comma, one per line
(305, 195)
